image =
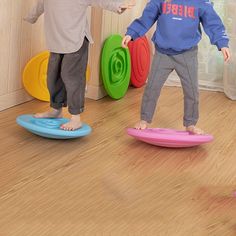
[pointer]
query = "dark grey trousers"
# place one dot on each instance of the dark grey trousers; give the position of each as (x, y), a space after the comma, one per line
(66, 79)
(186, 66)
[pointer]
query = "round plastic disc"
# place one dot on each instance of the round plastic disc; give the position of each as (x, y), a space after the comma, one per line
(35, 76)
(169, 137)
(50, 128)
(140, 61)
(115, 67)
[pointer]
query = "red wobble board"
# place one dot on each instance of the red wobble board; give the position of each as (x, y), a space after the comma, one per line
(140, 61)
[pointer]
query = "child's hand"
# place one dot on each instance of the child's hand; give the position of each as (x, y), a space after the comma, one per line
(226, 54)
(125, 41)
(127, 5)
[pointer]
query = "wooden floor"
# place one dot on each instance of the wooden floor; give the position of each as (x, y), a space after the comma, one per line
(109, 184)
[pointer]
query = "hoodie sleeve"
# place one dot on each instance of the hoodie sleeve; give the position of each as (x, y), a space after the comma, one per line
(140, 26)
(35, 12)
(213, 25)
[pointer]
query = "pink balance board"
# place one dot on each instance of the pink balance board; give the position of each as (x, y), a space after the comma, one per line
(169, 137)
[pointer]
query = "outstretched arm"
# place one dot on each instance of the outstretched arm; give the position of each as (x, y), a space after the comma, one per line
(35, 12)
(140, 26)
(214, 28)
(118, 6)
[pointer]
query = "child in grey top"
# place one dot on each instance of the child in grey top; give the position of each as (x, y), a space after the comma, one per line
(67, 35)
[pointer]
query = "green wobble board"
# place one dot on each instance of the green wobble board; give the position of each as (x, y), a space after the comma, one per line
(115, 67)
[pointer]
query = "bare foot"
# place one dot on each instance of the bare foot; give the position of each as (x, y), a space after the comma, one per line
(53, 113)
(194, 130)
(74, 123)
(141, 125)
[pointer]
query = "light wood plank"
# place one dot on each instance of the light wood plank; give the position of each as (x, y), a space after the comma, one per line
(16, 40)
(108, 184)
(14, 81)
(5, 29)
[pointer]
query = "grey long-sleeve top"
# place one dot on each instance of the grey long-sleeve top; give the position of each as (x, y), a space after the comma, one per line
(65, 21)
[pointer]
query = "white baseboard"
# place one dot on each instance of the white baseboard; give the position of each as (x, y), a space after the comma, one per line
(13, 99)
(95, 92)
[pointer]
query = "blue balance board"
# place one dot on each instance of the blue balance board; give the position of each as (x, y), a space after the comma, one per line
(50, 128)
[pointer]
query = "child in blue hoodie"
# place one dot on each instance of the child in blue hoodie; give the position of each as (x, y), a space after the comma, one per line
(176, 38)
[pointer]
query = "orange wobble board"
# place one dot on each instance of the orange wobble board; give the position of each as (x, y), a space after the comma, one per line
(35, 76)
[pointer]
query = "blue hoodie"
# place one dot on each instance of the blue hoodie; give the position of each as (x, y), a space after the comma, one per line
(178, 25)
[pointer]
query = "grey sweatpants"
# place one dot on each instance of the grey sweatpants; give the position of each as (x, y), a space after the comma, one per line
(66, 79)
(186, 66)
